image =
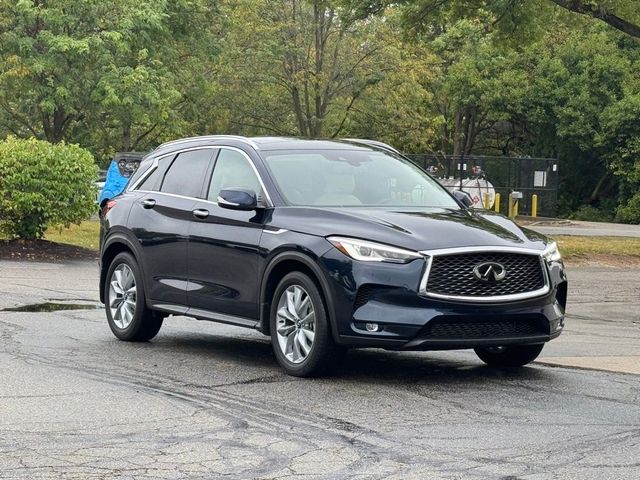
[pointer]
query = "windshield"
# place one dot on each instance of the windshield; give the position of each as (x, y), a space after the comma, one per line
(333, 178)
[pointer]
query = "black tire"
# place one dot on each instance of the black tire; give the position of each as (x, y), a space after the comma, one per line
(511, 356)
(145, 323)
(324, 353)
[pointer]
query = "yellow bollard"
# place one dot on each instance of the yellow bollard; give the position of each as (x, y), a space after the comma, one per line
(514, 203)
(496, 202)
(487, 200)
(534, 205)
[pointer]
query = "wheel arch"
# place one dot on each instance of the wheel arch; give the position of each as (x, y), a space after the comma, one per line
(114, 246)
(277, 268)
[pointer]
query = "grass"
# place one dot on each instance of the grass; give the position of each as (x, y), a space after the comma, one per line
(584, 248)
(84, 235)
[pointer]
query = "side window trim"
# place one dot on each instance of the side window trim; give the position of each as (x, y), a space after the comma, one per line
(145, 175)
(156, 167)
(208, 176)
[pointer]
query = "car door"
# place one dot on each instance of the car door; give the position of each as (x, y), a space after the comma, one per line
(160, 221)
(224, 244)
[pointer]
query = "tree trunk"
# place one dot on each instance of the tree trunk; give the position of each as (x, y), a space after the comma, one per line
(54, 126)
(318, 20)
(458, 133)
(126, 137)
(465, 131)
(297, 108)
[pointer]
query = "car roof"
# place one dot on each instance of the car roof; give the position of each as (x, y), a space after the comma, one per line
(284, 143)
(272, 143)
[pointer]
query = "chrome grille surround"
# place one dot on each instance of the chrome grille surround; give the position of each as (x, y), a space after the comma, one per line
(431, 254)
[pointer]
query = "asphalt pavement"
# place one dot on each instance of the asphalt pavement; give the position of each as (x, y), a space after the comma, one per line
(204, 400)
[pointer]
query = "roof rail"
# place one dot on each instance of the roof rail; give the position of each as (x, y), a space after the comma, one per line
(240, 138)
(373, 143)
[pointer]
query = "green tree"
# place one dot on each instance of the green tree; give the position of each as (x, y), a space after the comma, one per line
(623, 15)
(110, 74)
(297, 67)
(400, 108)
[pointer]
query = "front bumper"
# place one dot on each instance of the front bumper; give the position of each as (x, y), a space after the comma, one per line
(389, 295)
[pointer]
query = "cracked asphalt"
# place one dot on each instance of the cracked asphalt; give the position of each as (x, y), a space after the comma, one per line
(204, 400)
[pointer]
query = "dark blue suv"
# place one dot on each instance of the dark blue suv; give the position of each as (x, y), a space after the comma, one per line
(324, 246)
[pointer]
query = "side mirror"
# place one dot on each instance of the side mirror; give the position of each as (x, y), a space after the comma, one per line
(463, 198)
(238, 199)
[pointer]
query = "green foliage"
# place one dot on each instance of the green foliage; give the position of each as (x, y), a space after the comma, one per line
(629, 212)
(513, 17)
(44, 185)
(112, 74)
(590, 213)
(299, 68)
(495, 77)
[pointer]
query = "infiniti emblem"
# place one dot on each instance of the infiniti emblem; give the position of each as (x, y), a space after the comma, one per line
(490, 272)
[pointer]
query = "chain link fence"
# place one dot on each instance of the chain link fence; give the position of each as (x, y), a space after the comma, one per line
(506, 174)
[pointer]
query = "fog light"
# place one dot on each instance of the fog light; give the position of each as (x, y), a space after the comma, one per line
(371, 327)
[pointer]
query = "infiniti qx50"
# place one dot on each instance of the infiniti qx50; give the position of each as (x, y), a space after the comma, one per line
(323, 246)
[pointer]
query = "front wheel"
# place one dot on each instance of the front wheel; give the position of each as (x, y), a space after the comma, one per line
(511, 356)
(300, 332)
(127, 313)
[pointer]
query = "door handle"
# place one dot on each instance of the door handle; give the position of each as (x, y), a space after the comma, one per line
(148, 203)
(200, 213)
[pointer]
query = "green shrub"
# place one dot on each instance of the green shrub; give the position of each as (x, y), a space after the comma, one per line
(630, 212)
(590, 213)
(43, 185)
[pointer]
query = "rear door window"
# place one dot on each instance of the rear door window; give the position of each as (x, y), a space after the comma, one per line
(186, 173)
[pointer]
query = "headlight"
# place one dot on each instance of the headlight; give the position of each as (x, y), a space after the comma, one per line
(372, 252)
(551, 253)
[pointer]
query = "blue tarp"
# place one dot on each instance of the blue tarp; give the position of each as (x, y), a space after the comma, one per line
(114, 184)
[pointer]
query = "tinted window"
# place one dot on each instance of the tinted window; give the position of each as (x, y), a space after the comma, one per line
(185, 174)
(354, 177)
(232, 170)
(152, 182)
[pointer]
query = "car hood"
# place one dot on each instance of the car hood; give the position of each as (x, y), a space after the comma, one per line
(415, 229)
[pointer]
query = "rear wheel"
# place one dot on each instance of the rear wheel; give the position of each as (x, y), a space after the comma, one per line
(510, 356)
(300, 332)
(127, 313)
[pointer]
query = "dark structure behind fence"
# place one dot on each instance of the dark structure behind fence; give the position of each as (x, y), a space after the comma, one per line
(507, 174)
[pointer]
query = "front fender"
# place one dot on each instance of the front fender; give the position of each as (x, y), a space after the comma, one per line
(307, 257)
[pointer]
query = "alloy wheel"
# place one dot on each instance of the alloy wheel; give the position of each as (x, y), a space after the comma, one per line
(122, 296)
(295, 323)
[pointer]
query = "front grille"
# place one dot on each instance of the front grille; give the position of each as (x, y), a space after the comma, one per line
(453, 274)
(469, 329)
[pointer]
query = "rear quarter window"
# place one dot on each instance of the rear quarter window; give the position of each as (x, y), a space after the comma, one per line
(152, 182)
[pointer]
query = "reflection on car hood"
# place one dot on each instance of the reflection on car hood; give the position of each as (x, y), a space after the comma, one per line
(416, 229)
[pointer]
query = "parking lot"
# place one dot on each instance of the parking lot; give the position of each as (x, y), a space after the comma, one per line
(205, 400)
